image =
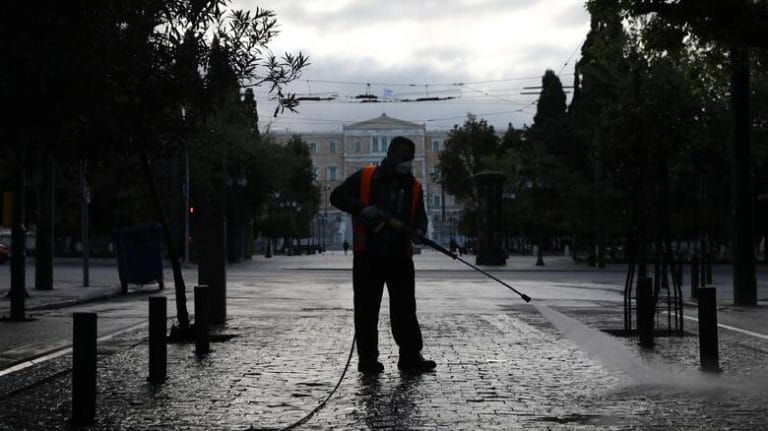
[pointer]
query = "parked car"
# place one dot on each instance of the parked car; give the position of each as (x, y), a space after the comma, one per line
(5, 242)
(5, 247)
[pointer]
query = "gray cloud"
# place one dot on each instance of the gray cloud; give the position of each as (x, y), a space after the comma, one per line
(345, 71)
(538, 58)
(363, 12)
(574, 16)
(366, 67)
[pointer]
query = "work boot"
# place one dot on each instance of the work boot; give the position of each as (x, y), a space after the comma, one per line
(415, 363)
(370, 366)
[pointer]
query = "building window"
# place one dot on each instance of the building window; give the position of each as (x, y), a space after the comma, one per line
(379, 144)
(358, 147)
(435, 174)
(332, 147)
(315, 172)
(436, 146)
(312, 147)
(330, 173)
(435, 201)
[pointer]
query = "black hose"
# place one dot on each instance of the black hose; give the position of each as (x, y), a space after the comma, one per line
(333, 391)
(435, 246)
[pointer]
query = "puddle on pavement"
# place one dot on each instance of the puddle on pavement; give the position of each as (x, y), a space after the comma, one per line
(569, 419)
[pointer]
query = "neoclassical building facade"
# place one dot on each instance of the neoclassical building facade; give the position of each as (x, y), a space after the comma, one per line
(336, 155)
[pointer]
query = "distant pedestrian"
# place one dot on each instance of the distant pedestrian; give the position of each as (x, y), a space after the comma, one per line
(387, 207)
(346, 246)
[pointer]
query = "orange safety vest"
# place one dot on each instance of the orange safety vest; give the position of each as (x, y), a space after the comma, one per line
(358, 228)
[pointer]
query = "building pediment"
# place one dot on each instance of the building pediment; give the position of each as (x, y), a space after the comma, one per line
(383, 122)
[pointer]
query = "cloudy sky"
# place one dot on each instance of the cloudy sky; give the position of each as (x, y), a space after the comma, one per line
(476, 54)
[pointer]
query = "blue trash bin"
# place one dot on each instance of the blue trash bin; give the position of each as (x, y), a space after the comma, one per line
(139, 257)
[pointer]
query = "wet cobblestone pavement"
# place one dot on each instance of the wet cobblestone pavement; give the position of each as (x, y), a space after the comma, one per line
(490, 376)
(501, 365)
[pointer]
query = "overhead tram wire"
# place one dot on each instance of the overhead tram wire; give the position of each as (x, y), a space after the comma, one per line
(410, 84)
(403, 84)
(570, 57)
(334, 95)
(494, 96)
(486, 114)
(447, 100)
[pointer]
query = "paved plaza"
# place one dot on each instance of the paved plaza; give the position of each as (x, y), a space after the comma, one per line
(502, 363)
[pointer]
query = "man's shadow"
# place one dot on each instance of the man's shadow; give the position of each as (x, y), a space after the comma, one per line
(385, 408)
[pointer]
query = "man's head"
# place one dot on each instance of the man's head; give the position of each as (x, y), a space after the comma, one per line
(400, 155)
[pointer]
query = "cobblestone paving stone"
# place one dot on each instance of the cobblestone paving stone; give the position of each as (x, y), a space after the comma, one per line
(502, 368)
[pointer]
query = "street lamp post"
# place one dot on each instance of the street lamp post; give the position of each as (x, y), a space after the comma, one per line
(236, 215)
(289, 206)
(326, 188)
(436, 178)
(537, 201)
(270, 197)
(312, 235)
(186, 203)
(186, 190)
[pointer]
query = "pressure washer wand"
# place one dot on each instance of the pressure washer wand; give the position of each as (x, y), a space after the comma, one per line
(397, 224)
(443, 250)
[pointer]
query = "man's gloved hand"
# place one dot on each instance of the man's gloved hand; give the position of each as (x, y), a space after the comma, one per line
(372, 215)
(418, 234)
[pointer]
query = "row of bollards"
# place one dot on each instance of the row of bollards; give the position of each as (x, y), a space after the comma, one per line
(84, 335)
(707, 315)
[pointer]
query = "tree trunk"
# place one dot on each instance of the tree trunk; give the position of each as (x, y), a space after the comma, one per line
(599, 228)
(18, 290)
(44, 237)
(85, 224)
(744, 282)
(178, 279)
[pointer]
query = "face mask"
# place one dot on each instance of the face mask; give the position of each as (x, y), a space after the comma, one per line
(403, 168)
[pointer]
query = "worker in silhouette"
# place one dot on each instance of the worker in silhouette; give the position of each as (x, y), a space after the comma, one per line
(387, 207)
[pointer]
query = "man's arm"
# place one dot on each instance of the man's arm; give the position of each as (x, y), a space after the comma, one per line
(346, 196)
(421, 220)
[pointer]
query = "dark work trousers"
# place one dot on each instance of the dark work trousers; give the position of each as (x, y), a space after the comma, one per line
(368, 277)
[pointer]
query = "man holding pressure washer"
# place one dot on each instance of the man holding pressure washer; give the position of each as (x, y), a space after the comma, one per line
(387, 207)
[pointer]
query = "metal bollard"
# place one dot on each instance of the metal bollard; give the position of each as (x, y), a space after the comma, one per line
(158, 350)
(84, 369)
(212, 265)
(645, 311)
(708, 344)
(202, 337)
(694, 275)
